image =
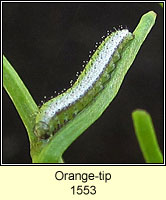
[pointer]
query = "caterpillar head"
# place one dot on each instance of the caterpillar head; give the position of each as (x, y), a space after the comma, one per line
(42, 130)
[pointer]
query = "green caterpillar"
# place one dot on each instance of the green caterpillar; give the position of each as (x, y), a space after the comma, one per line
(58, 111)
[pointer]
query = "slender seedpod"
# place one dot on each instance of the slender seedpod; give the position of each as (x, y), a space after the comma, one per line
(97, 73)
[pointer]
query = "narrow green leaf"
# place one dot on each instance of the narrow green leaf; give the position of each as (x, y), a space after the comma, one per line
(161, 4)
(146, 137)
(54, 149)
(20, 96)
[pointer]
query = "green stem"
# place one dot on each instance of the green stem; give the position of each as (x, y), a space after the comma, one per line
(161, 4)
(146, 136)
(20, 96)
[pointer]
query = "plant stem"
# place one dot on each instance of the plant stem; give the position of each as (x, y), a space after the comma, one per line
(20, 96)
(146, 136)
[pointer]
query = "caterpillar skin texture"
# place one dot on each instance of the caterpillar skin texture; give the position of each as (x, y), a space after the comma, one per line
(58, 111)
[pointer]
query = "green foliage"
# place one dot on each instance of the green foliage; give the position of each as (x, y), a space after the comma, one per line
(20, 96)
(161, 4)
(146, 137)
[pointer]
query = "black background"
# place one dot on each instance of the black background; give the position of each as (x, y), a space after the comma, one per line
(47, 43)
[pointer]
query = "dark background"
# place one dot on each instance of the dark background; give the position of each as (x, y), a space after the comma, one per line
(47, 43)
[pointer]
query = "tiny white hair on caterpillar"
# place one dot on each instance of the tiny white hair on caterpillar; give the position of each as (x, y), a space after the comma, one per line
(49, 118)
(92, 76)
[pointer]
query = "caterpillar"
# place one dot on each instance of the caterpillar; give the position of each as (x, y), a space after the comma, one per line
(58, 111)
